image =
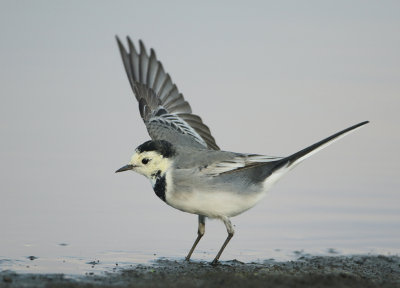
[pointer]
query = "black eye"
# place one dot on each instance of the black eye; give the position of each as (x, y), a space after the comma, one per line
(145, 161)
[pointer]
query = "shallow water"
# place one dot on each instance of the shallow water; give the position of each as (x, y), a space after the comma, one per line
(280, 228)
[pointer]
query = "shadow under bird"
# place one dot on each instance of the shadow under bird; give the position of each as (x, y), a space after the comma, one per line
(185, 166)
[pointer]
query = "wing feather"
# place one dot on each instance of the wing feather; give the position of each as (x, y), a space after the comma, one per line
(143, 63)
(133, 63)
(238, 163)
(153, 69)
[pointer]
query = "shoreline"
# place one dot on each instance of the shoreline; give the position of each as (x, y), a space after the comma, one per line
(313, 271)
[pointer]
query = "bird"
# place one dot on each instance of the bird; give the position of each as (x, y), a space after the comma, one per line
(185, 166)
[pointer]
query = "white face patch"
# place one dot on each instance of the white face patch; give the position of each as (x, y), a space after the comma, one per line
(148, 163)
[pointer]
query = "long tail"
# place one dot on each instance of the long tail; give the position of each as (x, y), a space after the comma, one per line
(298, 157)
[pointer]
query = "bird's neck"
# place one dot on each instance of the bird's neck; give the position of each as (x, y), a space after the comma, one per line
(158, 181)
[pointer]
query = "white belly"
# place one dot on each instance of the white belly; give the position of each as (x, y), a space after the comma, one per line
(213, 204)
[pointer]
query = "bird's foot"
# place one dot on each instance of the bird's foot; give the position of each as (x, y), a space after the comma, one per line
(215, 262)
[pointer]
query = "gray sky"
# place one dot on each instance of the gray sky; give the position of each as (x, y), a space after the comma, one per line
(266, 77)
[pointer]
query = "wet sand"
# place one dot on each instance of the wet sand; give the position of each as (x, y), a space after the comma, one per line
(326, 271)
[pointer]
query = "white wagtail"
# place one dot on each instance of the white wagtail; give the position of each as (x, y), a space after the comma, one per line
(185, 166)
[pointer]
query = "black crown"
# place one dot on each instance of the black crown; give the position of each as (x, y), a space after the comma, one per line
(161, 146)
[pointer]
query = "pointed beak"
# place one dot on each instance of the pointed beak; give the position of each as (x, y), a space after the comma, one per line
(125, 168)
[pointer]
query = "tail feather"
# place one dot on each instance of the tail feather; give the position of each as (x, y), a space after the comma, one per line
(298, 157)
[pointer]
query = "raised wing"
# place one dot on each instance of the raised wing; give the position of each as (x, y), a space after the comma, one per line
(165, 112)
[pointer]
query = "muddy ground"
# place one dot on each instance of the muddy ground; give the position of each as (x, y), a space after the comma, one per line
(339, 271)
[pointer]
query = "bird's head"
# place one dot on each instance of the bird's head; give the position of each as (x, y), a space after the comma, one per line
(151, 159)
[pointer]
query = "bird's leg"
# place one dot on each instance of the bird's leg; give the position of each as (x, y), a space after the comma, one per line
(231, 231)
(200, 232)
